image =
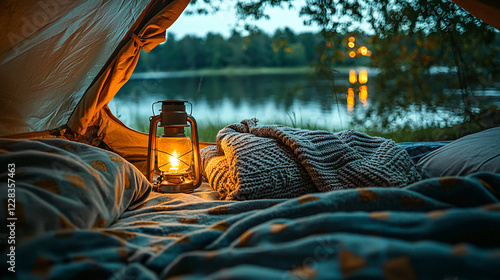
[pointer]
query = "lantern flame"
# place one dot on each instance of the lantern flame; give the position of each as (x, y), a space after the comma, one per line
(173, 160)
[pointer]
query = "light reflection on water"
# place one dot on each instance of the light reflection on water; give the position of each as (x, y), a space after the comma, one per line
(227, 99)
(275, 98)
(225, 111)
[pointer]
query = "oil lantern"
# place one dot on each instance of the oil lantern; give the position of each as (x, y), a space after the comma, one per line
(174, 163)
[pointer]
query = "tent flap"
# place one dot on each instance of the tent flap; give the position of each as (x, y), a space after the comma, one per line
(55, 57)
(118, 73)
(51, 53)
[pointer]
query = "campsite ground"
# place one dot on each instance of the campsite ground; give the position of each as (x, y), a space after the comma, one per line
(487, 119)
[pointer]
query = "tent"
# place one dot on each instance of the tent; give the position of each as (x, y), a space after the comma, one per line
(61, 62)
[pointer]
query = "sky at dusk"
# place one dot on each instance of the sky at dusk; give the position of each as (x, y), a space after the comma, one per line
(223, 21)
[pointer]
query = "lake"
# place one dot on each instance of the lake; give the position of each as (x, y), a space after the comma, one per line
(294, 99)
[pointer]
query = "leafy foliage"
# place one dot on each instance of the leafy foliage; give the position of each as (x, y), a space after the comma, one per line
(410, 41)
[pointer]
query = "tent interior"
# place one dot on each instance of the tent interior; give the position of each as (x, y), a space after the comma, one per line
(76, 196)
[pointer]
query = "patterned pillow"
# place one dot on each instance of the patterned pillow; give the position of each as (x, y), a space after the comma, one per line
(55, 184)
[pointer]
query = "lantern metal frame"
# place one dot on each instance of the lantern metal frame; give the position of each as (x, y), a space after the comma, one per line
(173, 118)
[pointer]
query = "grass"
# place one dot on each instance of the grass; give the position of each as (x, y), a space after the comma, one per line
(426, 134)
(488, 118)
(207, 131)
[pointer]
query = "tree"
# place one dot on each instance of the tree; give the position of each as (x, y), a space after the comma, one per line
(216, 51)
(169, 53)
(309, 41)
(235, 45)
(258, 50)
(191, 52)
(410, 38)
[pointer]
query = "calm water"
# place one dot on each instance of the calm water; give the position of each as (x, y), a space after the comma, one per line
(273, 98)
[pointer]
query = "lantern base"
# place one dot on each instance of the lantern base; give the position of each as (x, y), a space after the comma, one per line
(167, 187)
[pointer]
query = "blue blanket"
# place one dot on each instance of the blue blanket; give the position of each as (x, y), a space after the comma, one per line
(442, 228)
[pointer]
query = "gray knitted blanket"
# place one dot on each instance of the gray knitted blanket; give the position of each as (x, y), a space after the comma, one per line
(252, 162)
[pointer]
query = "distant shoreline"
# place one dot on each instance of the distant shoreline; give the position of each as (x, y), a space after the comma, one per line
(245, 71)
(241, 71)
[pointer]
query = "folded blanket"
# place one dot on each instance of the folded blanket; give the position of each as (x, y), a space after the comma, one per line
(251, 162)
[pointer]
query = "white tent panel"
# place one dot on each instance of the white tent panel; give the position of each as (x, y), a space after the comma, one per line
(50, 52)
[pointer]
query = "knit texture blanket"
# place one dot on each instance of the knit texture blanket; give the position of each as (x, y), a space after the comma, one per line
(274, 161)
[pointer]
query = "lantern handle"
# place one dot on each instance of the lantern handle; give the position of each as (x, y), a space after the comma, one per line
(190, 113)
(153, 125)
(196, 154)
(153, 107)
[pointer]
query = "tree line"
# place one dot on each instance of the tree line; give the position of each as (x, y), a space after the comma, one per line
(284, 48)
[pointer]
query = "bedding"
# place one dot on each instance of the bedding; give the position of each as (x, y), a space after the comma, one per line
(58, 184)
(478, 152)
(418, 150)
(439, 228)
(275, 161)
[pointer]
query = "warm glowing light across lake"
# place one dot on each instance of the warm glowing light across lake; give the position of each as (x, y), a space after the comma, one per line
(352, 76)
(350, 99)
(363, 76)
(363, 94)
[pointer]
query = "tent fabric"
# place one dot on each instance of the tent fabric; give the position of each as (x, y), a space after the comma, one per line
(50, 51)
(93, 110)
(118, 73)
(66, 75)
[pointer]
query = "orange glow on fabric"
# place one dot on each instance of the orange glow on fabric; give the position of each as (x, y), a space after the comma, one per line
(352, 76)
(363, 76)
